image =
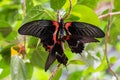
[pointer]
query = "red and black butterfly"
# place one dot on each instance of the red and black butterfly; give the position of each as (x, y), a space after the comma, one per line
(53, 34)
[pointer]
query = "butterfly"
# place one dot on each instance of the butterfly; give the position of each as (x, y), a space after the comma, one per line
(53, 34)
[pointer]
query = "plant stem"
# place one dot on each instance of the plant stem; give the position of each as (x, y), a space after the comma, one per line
(70, 8)
(106, 41)
(24, 10)
(24, 7)
(58, 16)
(109, 14)
(54, 72)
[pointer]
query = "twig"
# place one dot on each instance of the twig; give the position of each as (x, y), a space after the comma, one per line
(58, 16)
(24, 10)
(54, 72)
(69, 9)
(24, 7)
(106, 41)
(109, 14)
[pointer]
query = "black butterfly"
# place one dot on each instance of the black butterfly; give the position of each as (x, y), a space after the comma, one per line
(53, 33)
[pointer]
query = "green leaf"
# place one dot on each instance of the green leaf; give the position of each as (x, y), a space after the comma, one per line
(4, 24)
(38, 57)
(79, 62)
(29, 68)
(6, 54)
(68, 52)
(114, 30)
(88, 15)
(90, 3)
(40, 74)
(5, 68)
(74, 17)
(57, 4)
(75, 75)
(11, 37)
(90, 69)
(33, 41)
(5, 72)
(18, 69)
(29, 5)
(37, 13)
(57, 74)
(102, 66)
(3, 64)
(16, 2)
(113, 59)
(67, 4)
(8, 12)
(117, 5)
(36, 2)
(118, 46)
(118, 69)
(5, 28)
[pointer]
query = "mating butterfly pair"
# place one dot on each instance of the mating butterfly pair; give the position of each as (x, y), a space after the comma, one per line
(53, 34)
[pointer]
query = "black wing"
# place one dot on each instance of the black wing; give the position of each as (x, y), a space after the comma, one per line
(84, 29)
(76, 43)
(56, 53)
(39, 28)
(43, 29)
(79, 33)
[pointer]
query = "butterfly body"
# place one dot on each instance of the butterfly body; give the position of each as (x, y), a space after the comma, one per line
(53, 34)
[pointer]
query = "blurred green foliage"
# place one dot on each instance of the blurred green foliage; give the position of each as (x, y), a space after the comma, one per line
(90, 65)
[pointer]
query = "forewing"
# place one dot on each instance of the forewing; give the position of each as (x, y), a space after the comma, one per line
(38, 28)
(84, 29)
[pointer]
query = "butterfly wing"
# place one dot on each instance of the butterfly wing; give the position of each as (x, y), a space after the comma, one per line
(39, 28)
(79, 33)
(84, 29)
(44, 29)
(56, 53)
(76, 43)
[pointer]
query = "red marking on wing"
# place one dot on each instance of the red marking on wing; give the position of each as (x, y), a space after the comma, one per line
(67, 25)
(59, 42)
(67, 37)
(56, 24)
(49, 48)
